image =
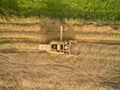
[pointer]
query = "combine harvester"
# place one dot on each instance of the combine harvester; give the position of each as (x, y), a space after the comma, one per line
(58, 47)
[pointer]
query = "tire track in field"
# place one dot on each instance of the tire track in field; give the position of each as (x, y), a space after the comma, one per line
(54, 72)
(66, 73)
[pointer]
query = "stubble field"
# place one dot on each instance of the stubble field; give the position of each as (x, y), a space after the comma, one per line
(93, 65)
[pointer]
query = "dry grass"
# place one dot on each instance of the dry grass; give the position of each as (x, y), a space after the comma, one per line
(19, 27)
(41, 71)
(19, 47)
(91, 66)
(73, 29)
(23, 35)
(20, 24)
(20, 20)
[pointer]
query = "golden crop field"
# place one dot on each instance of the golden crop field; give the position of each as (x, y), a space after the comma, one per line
(93, 65)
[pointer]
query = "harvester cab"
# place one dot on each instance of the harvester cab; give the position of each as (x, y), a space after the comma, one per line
(58, 47)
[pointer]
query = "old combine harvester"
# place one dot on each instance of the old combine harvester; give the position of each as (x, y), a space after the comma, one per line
(58, 47)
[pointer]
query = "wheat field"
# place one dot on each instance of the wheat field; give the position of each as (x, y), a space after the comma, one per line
(93, 65)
